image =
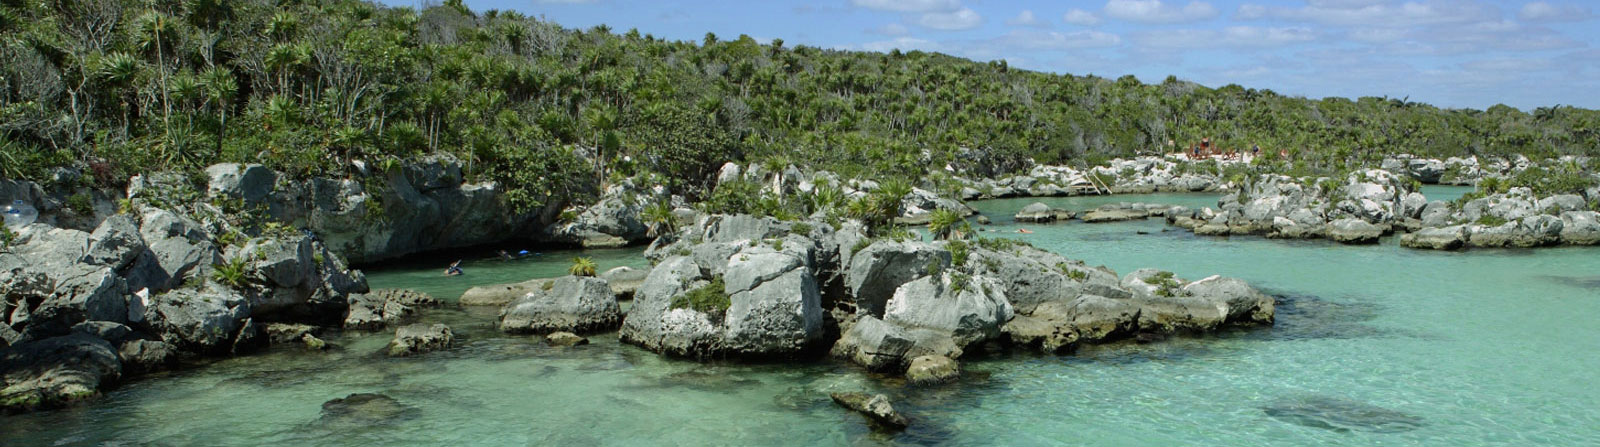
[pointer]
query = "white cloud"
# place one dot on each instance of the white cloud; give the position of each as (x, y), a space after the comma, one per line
(1230, 37)
(909, 5)
(1546, 12)
(1158, 11)
(1081, 18)
(1375, 14)
(903, 44)
(892, 29)
(965, 18)
(1051, 40)
(1026, 18)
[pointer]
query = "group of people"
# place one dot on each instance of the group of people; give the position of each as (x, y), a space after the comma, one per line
(455, 267)
(1206, 150)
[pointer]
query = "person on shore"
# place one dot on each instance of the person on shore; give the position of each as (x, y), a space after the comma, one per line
(506, 256)
(455, 269)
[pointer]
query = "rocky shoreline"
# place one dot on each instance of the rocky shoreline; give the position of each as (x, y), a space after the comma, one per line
(173, 273)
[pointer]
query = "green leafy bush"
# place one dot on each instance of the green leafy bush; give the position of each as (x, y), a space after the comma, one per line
(711, 299)
(582, 266)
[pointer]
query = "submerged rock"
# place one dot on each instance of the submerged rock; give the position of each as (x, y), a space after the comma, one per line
(932, 369)
(1341, 415)
(1040, 213)
(364, 409)
(875, 407)
(565, 339)
(420, 338)
(378, 309)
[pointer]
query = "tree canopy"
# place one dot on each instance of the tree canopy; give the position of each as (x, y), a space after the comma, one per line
(308, 87)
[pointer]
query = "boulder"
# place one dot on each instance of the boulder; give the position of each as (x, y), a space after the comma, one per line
(141, 356)
(775, 306)
(55, 372)
(1245, 305)
(652, 323)
(1113, 214)
(501, 294)
(567, 304)
(251, 182)
(1202, 306)
(875, 407)
(178, 248)
(1040, 213)
(932, 369)
(877, 270)
(933, 315)
(420, 338)
(624, 281)
(1436, 238)
(204, 319)
(1350, 230)
(1580, 227)
(115, 243)
(565, 339)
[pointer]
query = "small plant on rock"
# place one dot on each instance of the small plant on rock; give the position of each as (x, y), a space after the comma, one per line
(711, 299)
(231, 273)
(583, 267)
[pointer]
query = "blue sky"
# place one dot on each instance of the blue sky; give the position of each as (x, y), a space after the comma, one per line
(1458, 53)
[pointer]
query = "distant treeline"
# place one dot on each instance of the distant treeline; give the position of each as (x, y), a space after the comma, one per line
(117, 87)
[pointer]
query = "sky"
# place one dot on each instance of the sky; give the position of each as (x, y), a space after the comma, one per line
(1455, 53)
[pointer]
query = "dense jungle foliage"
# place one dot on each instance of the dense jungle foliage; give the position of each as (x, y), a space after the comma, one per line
(309, 87)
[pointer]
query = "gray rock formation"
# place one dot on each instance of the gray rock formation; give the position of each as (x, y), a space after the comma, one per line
(877, 270)
(379, 309)
(567, 304)
(1040, 213)
(1351, 230)
(501, 294)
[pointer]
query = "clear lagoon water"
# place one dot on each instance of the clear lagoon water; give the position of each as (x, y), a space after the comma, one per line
(1374, 345)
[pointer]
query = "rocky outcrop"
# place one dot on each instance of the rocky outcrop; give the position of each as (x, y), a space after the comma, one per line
(501, 294)
(940, 315)
(55, 372)
(612, 221)
(875, 407)
(1350, 230)
(878, 270)
(419, 339)
(564, 339)
(379, 309)
(567, 304)
(1280, 206)
(1515, 218)
(1040, 213)
(727, 297)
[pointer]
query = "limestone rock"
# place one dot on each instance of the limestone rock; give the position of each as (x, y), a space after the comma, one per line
(932, 369)
(570, 303)
(420, 338)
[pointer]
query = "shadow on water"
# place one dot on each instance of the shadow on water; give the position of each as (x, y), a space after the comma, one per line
(1306, 317)
(1582, 282)
(1340, 415)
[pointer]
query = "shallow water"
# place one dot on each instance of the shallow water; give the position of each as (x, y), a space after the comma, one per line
(1374, 345)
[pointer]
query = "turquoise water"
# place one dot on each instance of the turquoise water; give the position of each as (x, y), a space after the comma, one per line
(1484, 347)
(426, 273)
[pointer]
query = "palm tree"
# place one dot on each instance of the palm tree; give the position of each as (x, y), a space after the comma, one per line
(944, 223)
(660, 219)
(583, 267)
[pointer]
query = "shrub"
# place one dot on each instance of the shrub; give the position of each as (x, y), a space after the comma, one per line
(800, 228)
(1491, 220)
(231, 273)
(583, 267)
(958, 252)
(81, 204)
(711, 299)
(1166, 284)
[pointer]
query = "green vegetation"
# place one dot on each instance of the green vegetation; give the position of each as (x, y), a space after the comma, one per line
(660, 219)
(959, 250)
(231, 273)
(712, 298)
(583, 267)
(307, 87)
(947, 224)
(7, 237)
(1490, 220)
(81, 204)
(801, 228)
(1166, 283)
